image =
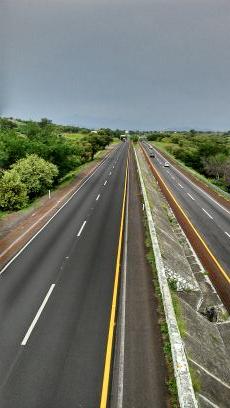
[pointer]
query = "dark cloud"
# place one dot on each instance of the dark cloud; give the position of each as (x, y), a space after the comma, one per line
(134, 64)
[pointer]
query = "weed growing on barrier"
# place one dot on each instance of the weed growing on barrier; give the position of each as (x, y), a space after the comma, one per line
(179, 315)
(195, 379)
(172, 284)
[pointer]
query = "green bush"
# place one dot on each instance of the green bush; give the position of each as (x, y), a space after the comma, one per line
(36, 173)
(13, 192)
(41, 155)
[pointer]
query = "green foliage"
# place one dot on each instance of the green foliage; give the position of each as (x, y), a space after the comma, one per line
(134, 138)
(217, 165)
(37, 174)
(31, 129)
(206, 153)
(179, 314)
(39, 154)
(3, 154)
(70, 129)
(156, 136)
(190, 156)
(7, 124)
(14, 146)
(13, 192)
(45, 122)
(172, 284)
(192, 132)
(98, 141)
(46, 143)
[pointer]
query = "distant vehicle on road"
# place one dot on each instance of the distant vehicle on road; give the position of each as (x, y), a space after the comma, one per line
(151, 154)
(166, 164)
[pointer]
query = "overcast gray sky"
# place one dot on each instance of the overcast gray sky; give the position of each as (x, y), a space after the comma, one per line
(118, 63)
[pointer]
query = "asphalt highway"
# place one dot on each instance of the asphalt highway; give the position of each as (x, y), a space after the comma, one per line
(55, 299)
(140, 373)
(210, 218)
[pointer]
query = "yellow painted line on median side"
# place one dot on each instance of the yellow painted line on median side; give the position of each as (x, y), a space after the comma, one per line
(191, 225)
(107, 367)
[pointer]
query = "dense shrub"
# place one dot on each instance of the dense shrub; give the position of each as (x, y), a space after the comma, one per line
(35, 155)
(13, 192)
(37, 174)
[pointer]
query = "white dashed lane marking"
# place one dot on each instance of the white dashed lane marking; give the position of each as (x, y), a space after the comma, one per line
(39, 312)
(81, 229)
(98, 197)
(206, 212)
(227, 234)
(191, 196)
(105, 182)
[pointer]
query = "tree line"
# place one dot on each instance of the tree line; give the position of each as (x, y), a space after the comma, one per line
(207, 153)
(35, 156)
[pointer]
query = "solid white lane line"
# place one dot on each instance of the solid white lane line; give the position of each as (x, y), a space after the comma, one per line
(206, 212)
(26, 338)
(81, 229)
(227, 234)
(98, 197)
(191, 196)
(105, 182)
(180, 185)
(123, 312)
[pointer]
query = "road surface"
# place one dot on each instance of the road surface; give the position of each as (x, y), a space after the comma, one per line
(55, 299)
(140, 372)
(209, 217)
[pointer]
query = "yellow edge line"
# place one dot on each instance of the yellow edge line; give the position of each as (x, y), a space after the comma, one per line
(191, 225)
(106, 376)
